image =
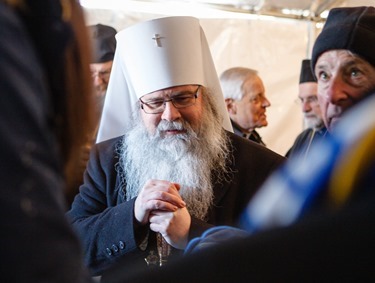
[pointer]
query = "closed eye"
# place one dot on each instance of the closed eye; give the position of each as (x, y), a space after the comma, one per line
(183, 98)
(154, 103)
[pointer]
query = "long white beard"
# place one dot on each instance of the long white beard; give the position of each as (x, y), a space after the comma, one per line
(188, 159)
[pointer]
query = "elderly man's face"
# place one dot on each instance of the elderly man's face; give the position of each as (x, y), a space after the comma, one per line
(343, 80)
(308, 96)
(100, 76)
(250, 112)
(191, 114)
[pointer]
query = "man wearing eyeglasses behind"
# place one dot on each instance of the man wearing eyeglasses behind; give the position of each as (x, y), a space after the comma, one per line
(167, 169)
(104, 46)
(308, 98)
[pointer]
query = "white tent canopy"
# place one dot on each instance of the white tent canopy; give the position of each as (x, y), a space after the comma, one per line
(272, 44)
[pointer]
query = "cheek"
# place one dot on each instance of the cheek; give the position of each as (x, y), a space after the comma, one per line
(194, 115)
(316, 108)
(194, 118)
(150, 121)
(247, 114)
(322, 99)
(256, 110)
(323, 105)
(359, 94)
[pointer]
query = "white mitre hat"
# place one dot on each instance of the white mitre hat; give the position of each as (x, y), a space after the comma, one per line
(155, 55)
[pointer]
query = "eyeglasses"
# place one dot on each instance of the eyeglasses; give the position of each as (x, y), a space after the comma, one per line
(104, 75)
(182, 100)
(310, 100)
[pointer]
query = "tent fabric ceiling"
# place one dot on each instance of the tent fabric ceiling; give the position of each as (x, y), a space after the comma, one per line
(315, 8)
(303, 9)
(295, 9)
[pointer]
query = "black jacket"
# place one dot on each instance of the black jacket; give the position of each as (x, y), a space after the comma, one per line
(104, 220)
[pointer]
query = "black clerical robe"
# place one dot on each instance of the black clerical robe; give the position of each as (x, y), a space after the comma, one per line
(105, 221)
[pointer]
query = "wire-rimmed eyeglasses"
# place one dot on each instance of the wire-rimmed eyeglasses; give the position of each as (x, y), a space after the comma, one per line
(104, 75)
(180, 100)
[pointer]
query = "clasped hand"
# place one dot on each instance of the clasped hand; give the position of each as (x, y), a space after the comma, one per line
(160, 204)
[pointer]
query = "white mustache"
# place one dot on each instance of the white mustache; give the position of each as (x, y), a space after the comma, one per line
(170, 126)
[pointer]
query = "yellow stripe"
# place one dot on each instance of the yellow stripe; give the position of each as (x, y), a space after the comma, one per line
(350, 168)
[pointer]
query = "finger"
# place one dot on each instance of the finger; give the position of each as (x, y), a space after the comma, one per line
(163, 191)
(177, 186)
(160, 205)
(162, 197)
(162, 185)
(172, 198)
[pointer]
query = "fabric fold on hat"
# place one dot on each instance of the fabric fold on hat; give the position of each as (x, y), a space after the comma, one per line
(155, 55)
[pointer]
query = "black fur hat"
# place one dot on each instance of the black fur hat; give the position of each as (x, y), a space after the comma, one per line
(351, 28)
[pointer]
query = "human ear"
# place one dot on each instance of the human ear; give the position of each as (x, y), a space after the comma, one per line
(231, 106)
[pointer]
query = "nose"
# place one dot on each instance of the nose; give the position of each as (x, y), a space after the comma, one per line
(170, 113)
(98, 80)
(266, 102)
(336, 90)
(306, 107)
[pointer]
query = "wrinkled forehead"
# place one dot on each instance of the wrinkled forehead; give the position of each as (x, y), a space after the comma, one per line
(339, 58)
